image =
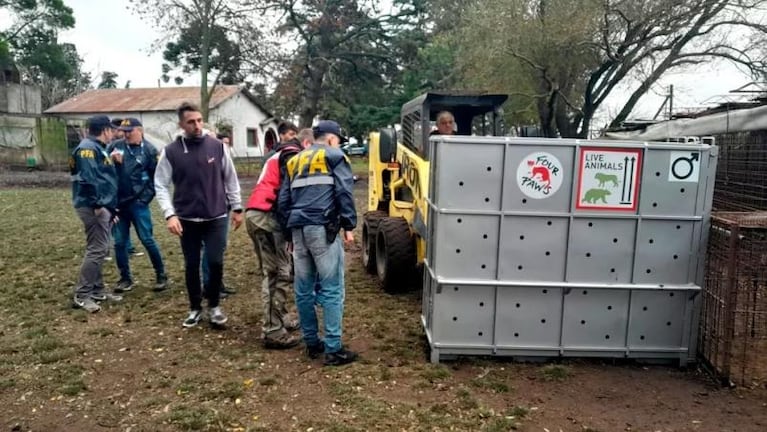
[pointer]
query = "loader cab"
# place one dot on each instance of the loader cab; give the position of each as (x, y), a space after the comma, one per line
(475, 114)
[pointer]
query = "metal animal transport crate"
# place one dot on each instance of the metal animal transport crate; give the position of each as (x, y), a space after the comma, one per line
(561, 247)
(733, 330)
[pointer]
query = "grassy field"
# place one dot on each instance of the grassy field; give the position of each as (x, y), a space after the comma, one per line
(132, 367)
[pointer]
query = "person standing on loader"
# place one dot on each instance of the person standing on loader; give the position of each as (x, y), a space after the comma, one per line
(316, 201)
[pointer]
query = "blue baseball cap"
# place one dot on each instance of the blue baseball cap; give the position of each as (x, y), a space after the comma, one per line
(100, 123)
(128, 124)
(329, 126)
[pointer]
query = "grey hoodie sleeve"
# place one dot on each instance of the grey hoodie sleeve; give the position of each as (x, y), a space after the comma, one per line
(163, 177)
(231, 182)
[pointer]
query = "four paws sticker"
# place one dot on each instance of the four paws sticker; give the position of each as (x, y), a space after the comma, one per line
(539, 175)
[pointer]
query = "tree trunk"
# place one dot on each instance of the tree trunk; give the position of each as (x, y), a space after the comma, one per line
(204, 63)
(313, 94)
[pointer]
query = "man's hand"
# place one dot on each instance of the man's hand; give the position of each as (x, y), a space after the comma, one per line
(236, 220)
(174, 226)
(117, 156)
(348, 237)
(289, 247)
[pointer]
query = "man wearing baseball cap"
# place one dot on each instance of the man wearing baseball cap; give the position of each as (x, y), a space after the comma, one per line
(315, 202)
(136, 161)
(94, 197)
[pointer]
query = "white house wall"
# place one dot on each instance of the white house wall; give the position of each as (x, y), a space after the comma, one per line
(160, 127)
(243, 114)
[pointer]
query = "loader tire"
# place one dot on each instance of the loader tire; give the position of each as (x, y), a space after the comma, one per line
(369, 231)
(395, 255)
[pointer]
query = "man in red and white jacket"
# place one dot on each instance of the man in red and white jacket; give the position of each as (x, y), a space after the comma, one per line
(268, 240)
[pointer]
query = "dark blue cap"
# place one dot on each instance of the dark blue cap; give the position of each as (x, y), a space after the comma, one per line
(329, 126)
(128, 124)
(99, 123)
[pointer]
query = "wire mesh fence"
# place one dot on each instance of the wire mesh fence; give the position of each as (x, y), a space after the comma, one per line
(733, 326)
(741, 177)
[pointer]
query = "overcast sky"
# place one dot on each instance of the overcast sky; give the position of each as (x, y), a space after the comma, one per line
(109, 37)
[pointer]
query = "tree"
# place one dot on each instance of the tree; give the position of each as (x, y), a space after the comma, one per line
(205, 36)
(30, 42)
(108, 80)
(563, 58)
(339, 42)
(55, 90)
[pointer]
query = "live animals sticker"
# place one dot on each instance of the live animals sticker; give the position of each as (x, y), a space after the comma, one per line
(539, 175)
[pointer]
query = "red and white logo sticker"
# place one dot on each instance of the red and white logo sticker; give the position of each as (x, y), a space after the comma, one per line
(539, 175)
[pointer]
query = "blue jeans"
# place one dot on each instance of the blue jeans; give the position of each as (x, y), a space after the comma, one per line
(319, 264)
(205, 266)
(139, 215)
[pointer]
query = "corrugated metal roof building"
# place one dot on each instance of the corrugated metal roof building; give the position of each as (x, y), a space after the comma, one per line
(254, 128)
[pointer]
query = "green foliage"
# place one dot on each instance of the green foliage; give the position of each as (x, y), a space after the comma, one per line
(108, 80)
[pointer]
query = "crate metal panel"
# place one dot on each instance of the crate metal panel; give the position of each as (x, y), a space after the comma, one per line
(532, 248)
(601, 250)
(469, 179)
(522, 179)
(468, 246)
(660, 195)
(595, 318)
(465, 315)
(656, 320)
(529, 317)
(663, 253)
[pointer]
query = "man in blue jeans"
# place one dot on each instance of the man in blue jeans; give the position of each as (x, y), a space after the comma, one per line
(315, 202)
(136, 160)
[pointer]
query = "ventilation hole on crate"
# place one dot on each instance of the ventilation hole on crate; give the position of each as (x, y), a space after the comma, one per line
(484, 236)
(591, 224)
(668, 323)
(548, 253)
(548, 223)
(519, 305)
(460, 220)
(609, 308)
(480, 333)
(648, 271)
(583, 322)
(545, 291)
(519, 267)
(641, 337)
(612, 270)
(460, 183)
(487, 199)
(543, 321)
(455, 288)
(457, 251)
(671, 294)
(657, 174)
(585, 292)
(588, 254)
(484, 266)
(679, 227)
(661, 285)
(455, 318)
(655, 204)
(676, 256)
(481, 304)
(607, 336)
(489, 169)
(615, 240)
(524, 200)
(681, 190)
(521, 237)
(516, 334)
(652, 241)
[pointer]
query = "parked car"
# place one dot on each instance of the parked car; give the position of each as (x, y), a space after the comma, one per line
(354, 149)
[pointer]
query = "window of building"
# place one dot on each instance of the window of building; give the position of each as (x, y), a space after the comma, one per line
(252, 137)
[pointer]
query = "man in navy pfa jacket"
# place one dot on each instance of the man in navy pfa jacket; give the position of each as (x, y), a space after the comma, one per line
(136, 161)
(205, 185)
(94, 197)
(316, 201)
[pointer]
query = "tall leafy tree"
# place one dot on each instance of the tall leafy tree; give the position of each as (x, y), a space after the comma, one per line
(206, 36)
(563, 58)
(108, 80)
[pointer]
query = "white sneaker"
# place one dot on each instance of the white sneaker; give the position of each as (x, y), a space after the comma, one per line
(193, 319)
(217, 316)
